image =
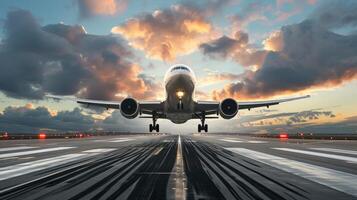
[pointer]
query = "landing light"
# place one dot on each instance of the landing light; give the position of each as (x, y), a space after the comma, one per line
(180, 94)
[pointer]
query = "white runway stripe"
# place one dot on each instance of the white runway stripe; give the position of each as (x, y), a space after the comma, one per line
(33, 166)
(325, 155)
(336, 150)
(256, 141)
(15, 148)
(243, 141)
(342, 181)
(115, 140)
(22, 153)
(98, 150)
(229, 140)
(120, 140)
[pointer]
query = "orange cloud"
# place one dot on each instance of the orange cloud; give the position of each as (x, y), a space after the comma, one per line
(298, 60)
(103, 7)
(166, 34)
(274, 42)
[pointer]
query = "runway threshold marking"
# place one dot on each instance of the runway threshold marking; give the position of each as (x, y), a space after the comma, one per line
(336, 150)
(15, 148)
(324, 155)
(341, 181)
(33, 166)
(22, 153)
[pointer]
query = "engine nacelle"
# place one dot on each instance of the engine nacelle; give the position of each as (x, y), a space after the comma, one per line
(129, 108)
(228, 108)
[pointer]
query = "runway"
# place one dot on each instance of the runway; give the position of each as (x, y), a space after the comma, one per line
(178, 167)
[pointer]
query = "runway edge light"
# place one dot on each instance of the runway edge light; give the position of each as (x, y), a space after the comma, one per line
(42, 135)
(283, 136)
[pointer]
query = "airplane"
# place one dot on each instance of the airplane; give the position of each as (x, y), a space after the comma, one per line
(180, 104)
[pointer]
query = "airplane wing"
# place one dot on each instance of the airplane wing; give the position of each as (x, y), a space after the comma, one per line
(254, 104)
(88, 102)
(146, 107)
(211, 107)
(152, 108)
(208, 107)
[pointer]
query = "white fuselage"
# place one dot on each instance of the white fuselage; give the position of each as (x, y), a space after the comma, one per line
(179, 88)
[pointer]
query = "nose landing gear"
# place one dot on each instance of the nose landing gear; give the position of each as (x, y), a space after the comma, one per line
(154, 126)
(203, 126)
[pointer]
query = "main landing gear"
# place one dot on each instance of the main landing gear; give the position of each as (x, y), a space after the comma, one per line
(154, 126)
(202, 126)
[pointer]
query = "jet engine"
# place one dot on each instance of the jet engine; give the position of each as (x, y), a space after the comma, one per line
(228, 108)
(129, 108)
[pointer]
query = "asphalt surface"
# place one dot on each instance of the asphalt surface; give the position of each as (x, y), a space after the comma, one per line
(178, 167)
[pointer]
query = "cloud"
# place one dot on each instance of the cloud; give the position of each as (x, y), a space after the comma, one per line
(287, 118)
(89, 8)
(274, 42)
(30, 119)
(215, 77)
(166, 34)
(347, 125)
(287, 8)
(208, 7)
(237, 48)
(65, 60)
(334, 14)
(251, 12)
(309, 115)
(311, 57)
(301, 56)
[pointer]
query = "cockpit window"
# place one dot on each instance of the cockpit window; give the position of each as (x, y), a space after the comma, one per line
(180, 67)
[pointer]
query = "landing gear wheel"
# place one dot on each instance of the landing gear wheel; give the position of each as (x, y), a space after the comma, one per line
(203, 126)
(157, 128)
(154, 126)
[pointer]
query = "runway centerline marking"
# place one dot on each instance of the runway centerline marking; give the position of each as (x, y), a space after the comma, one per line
(33, 166)
(325, 155)
(341, 181)
(336, 150)
(23, 153)
(15, 148)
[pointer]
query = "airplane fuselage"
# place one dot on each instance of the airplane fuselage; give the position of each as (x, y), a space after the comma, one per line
(179, 88)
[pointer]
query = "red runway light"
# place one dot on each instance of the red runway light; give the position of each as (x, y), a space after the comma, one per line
(42, 136)
(283, 136)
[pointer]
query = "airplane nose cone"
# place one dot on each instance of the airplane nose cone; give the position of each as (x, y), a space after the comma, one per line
(182, 82)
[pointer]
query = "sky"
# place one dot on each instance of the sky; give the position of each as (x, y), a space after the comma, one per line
(111, 49)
